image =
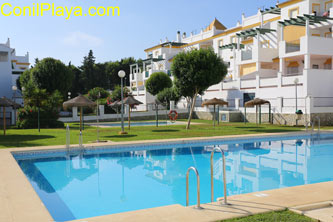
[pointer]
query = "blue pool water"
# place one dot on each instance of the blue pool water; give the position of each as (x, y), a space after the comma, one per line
(94, 182)
(135, 124)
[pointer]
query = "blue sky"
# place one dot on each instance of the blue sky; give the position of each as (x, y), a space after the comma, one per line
(141, 24)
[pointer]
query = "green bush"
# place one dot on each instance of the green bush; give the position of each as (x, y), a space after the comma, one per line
(93, 93)
(167, 95)
(157, 82)
(27, 118)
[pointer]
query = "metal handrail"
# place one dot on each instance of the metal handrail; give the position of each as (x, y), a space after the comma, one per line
(318, 119)
(198, 186)
(306, 125)
(212, 173)
(68, 139)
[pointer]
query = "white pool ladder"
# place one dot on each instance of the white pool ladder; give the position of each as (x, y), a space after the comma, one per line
(68, 139)
(198, 187)
(313, 124)
(212, 174)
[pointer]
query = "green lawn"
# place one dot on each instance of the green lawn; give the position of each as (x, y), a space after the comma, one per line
(279, 216)
(31, 137)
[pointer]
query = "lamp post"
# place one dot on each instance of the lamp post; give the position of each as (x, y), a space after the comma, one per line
(122, 74)
(296, 82)
(14, 88)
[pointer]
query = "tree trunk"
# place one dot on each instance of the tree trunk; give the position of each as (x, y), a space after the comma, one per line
(191, 111)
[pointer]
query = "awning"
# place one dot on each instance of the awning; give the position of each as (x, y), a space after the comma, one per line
(254, 32)
(231, 46)
(271, 10)
(301, 20)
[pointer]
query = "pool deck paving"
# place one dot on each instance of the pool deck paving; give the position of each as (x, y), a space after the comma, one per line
(19, 202)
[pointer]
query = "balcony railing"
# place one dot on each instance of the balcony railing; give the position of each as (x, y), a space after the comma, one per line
(246, 55)
(293, 46)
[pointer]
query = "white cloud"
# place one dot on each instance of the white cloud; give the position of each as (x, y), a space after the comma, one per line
(78, 38)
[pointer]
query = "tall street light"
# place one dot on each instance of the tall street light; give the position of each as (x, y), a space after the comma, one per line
(14, 88)
(122, 74)
(296, 82)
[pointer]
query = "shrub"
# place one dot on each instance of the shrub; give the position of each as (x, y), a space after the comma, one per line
(167, 95)
(93, 93)
(27, 118)
(157, 82)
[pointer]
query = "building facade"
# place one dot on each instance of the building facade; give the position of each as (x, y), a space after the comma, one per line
(11, 67)
(282, 54)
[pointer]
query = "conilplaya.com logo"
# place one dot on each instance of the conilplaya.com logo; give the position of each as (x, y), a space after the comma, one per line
(41, 9)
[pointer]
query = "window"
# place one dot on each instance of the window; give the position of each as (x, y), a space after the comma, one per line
(315, 66)
(3, 56)
(233, 39)
(328, 35)
(293, 13)
(220, 43)
(248, 96)
(265, 44)
(292, 70)
(316, 8)
(328, 66)
(328, 5)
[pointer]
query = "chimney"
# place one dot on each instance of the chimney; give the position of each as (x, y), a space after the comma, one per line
(8, 42)
(184, 35)
(179, 39)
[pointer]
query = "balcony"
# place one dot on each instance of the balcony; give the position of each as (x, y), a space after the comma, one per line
(246, 55)
(293, 46)
(307, 45)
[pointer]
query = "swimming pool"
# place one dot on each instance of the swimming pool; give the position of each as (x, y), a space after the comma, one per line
(100, 181)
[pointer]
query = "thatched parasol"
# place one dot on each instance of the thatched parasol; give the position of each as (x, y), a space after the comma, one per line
(114, 104)
(79, 101)
(4, 102)
(258, 102)
(130, 101)
(214, 102)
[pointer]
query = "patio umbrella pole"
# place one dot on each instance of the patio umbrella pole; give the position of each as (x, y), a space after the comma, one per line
(129, 116)
(4, 120)
(218, 115)
(80, 118)
(270, 114)
(214, 115)
(245, 115)
(256, 114)
(156, 107)
(259, 114)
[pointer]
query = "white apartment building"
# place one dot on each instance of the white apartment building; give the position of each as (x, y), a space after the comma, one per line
(282, 54)
(11, 67)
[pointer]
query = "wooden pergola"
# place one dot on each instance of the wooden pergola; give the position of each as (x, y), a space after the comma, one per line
(258, 103)
(79, 101)
(215, 102)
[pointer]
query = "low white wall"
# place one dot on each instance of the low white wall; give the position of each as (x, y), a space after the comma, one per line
(117, 116)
